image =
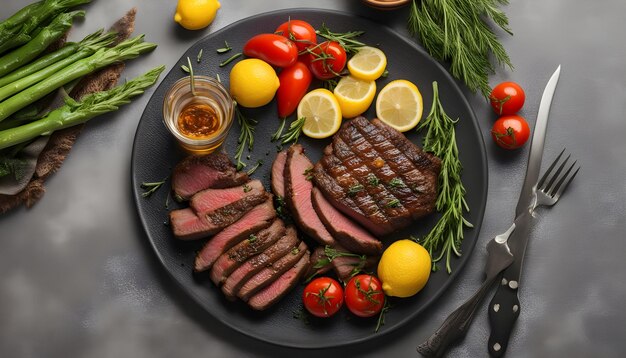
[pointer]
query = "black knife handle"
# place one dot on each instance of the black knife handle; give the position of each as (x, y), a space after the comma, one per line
(455, 326)
(503, 312)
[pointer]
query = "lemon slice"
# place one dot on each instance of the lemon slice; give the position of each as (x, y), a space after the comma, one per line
(368, 64)
(322, 113)
(399, 104)
(354, 95)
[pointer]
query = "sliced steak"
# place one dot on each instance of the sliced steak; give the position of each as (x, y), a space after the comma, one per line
(316, 258)
(270, 273)
(187, 225)
(212, 199)
(278, 174)
(349, 234)
(279, 288)
(256, 219)
(375, 175)
(298, 188)
(244, 250)
(255, 264)
(196, 173)
(346, 266)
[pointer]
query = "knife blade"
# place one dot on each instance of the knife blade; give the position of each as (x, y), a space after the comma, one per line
(504, 308)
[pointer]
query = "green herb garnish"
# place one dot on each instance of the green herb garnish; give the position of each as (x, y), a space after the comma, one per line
(394, 203)
(224, 49)
(279, 131)
(246, 136)
(255, 167)
(355, 189)
(347, 40)
(447, 235)
(252, 238)
(396, 183)
(151, 187)
(373, 180)
(246, 188)
(230, 59)
(308, 173)
(199, 56)
(293, 133)
(381, 315)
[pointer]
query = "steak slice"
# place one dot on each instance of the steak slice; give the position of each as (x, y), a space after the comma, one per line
(255, 264)
(279, 288)
(245, 249)
(270, 273)
(196, 173)
(349, 234)
(209, 200)
(188, 225)
(278, 174)
(346, 266)
(260, 217)
(317, 256)
(370, 165)
(298, 195)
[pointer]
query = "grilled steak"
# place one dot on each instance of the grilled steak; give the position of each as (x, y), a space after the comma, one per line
(196, 173)
(212, 199)
(255, 264)
(256, 219)
(186, 227)
(298, 188)
(317, 256)
(247, 248)
(279, 288)
(376, 176)
(349, 234)
(270, 273)
(278, 174)
(345, 266)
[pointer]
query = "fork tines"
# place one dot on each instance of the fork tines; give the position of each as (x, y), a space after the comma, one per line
(562, 181)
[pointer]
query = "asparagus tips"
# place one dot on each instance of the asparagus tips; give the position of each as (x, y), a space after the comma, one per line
(73, 113)
(126, 50)
(39, 43)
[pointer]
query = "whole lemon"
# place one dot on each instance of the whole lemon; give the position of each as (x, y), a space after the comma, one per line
(196, 14)
(404, 268)
(253, 83)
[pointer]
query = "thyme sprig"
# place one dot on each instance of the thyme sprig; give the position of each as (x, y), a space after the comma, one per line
(446, 237)
(293, 133)
(246, 136)
(347, 40)
(457, 31)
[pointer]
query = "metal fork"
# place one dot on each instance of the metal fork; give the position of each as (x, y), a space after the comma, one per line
(499, 257)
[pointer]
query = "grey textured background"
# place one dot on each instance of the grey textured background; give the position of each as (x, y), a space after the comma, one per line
(78, 278)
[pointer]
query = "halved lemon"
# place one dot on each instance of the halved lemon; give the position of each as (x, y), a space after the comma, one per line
(354, 95)
(399, 104)
(322, 113)
(368, 64)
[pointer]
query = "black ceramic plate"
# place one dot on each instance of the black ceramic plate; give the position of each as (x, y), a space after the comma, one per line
(155, 153)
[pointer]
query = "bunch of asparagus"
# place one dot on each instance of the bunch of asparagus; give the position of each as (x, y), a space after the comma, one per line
(27, 76)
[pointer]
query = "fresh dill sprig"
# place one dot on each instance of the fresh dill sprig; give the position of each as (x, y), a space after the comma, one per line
(347, 40)
(293, 133)
(457, 31)
(246, 136)
(447, 235)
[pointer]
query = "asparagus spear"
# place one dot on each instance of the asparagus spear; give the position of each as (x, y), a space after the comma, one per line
(20, 28)
(126, 50)
(39, 43)
(28, 75)
(73, 113)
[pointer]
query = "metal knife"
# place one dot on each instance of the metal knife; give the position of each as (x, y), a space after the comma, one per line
(505, 306)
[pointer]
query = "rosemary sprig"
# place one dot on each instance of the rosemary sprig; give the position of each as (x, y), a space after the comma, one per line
(230, 59)
(330, 84)
(246, 136)
(192, 78)
(347, 40)
(255, 167)
(151, 187)
(279, 131)
(293, 133)
(199, 57)
(440, 139)
(224, 49)
(457, 31)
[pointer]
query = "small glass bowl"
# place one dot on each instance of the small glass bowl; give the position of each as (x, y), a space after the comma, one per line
(208, 91)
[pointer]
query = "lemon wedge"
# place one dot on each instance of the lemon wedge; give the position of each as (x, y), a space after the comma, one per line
(368, 64)
(399, 104)
(354, 95)
(322, 113)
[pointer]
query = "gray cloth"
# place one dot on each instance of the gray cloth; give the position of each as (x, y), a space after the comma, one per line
(8, 183)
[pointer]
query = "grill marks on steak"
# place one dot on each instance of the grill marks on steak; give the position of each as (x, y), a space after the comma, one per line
(244, 250)
(280, 287)
(280, 248)
(373, 174)
(348, 234)
(298, 188)
(196, 173)
(256, 219)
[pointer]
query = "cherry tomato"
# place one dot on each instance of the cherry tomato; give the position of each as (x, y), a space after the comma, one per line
(298, 31)
(507, 98)
(274, 49)
(323, 297)
(364, 295)
(327, 60)
(510, 132)
(294, 83)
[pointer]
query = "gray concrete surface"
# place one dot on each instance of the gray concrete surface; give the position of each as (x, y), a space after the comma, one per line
(78, 278)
